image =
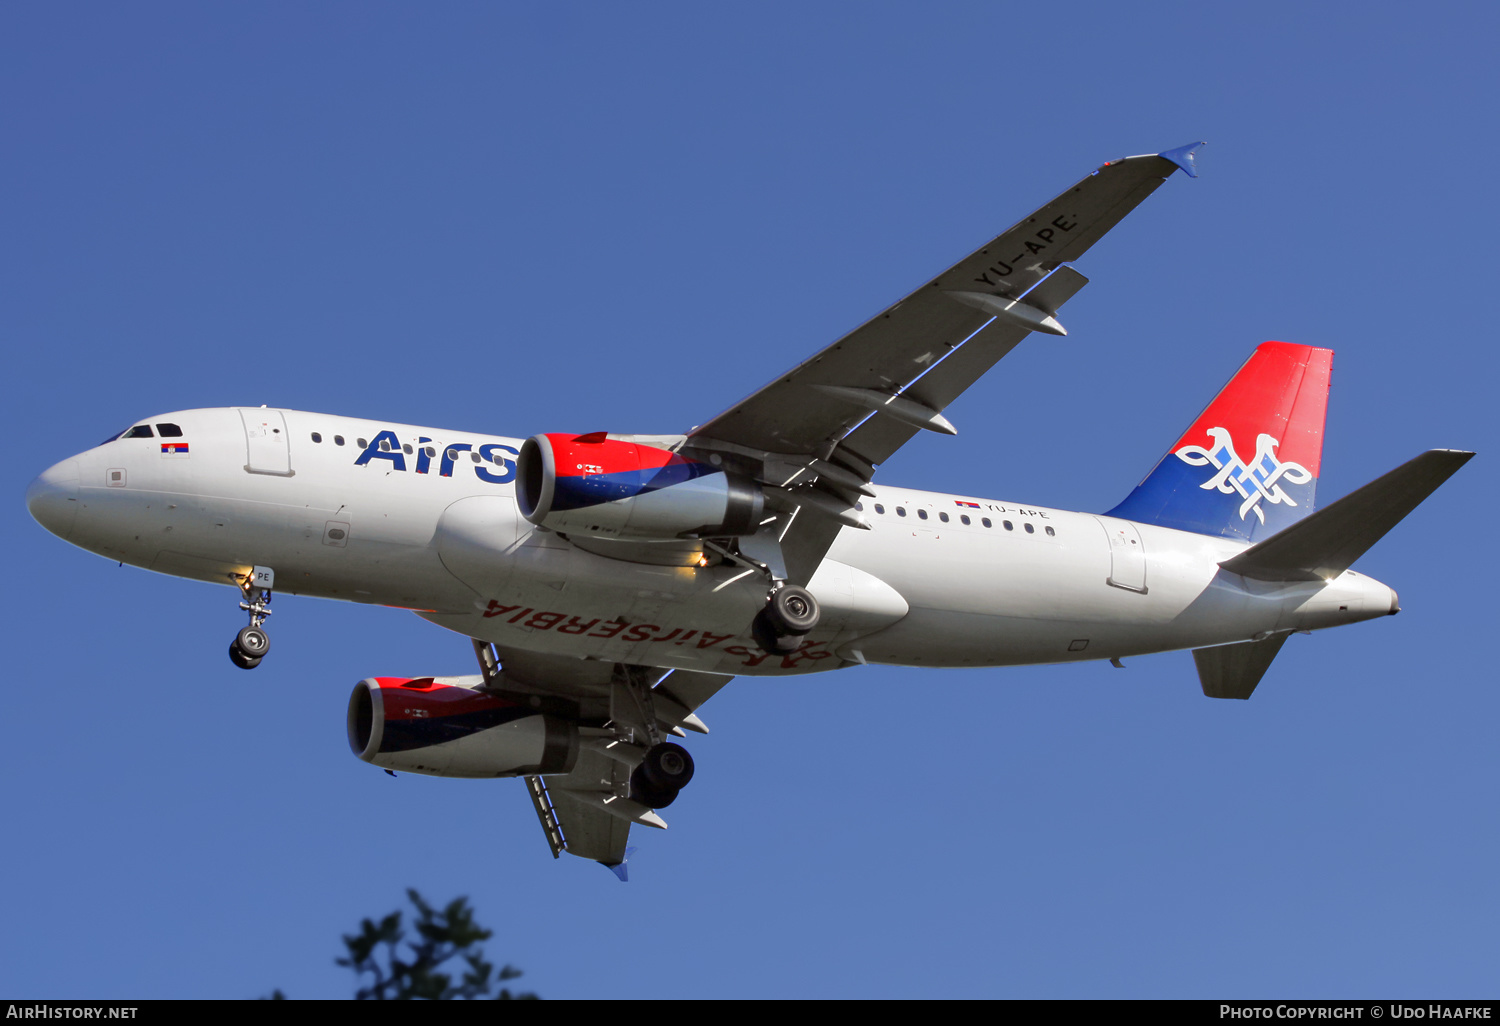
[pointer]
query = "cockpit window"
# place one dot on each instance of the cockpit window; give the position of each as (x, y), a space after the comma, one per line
(139, 431)
(169, 430)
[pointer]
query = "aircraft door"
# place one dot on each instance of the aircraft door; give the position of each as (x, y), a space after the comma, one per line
(266, 449)
(1127, 555)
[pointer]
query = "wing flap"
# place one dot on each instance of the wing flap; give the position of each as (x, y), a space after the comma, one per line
(591, 832)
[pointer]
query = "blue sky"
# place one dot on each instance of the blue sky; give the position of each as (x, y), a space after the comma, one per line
(536, 217)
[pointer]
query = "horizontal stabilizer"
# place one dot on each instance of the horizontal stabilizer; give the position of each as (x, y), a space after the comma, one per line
(1325, 543)
(1232, 671)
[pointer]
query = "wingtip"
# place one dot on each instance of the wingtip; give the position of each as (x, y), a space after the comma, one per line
(619, 867)
(1183, 157)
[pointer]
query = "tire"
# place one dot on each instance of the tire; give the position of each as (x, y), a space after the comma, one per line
(769, 639)
(667, 767)
(792, 610)
(649, 795)
(253, 642)
(240, 659)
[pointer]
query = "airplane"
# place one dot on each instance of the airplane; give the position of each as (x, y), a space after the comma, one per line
(611, 584)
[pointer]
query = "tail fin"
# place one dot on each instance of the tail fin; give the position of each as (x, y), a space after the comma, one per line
(1249, 464)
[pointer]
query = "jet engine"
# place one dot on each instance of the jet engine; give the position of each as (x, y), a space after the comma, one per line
(425, 726)
(616, 487)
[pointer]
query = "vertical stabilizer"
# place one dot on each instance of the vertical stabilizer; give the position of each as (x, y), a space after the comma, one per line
(1249, 464)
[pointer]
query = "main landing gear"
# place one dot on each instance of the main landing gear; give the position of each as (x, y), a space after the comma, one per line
(252, 643)
(664, 771)
(666, 767)
(790, 613)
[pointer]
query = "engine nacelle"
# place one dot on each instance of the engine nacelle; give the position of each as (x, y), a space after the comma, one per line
(617, 488)
(423, 725)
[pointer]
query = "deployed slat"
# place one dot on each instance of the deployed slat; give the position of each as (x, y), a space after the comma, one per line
(546, 814)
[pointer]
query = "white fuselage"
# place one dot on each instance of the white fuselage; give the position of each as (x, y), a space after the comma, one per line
(441, 535)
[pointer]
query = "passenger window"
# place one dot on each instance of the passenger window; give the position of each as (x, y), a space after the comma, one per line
(406, 448)
(362, 443)
(338, 439)
(474, 456)
(169, 430)
(943, 517)
(430, 451)
(1030, 529)
(922, 513)
(879, 508)
(859, 506)
(316, 437)
(385, 445)
(964, 517)
(900, 511)
(1051, 533)
(452, 454)
(1009, 526)
(140, 431)
(986, 522)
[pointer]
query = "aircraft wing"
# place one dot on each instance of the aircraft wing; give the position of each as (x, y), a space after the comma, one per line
(856, 402)
(588, 811)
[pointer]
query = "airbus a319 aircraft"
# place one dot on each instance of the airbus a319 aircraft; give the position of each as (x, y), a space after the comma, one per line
(612, 583)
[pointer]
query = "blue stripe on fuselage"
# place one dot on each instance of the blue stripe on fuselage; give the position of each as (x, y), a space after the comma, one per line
(592, 489)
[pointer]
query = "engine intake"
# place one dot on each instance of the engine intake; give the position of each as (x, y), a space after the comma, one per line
(618, 488)
(423, 725)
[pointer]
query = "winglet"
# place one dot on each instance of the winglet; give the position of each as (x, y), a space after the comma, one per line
(619, 868)
(1182, 156)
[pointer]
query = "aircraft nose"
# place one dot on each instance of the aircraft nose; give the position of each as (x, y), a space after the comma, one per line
(53, 498)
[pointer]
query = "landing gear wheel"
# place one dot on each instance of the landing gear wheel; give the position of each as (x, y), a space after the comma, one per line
(792, 610)
(253, 643)
(769, 639)
(667, 766)
(651, 797)
(240, 659)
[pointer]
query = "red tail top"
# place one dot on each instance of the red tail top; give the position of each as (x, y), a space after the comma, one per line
(1249, 464)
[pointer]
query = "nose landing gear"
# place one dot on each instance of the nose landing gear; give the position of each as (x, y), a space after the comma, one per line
(252, 643)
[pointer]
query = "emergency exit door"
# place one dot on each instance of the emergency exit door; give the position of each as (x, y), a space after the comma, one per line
(1127, 555)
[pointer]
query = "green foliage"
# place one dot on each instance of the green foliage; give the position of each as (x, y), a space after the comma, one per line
(442, 935)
